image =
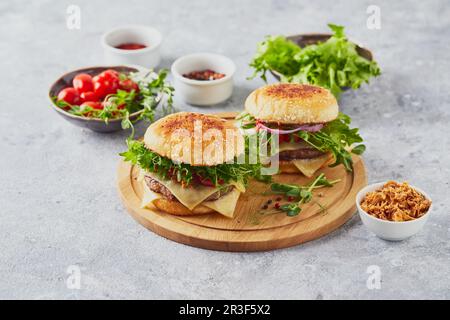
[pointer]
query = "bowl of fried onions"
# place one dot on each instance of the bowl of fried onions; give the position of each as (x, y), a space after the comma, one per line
(392, 210)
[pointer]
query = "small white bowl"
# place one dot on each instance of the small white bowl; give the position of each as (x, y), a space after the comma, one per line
(390, 230)
(203, 93)
(148, 57)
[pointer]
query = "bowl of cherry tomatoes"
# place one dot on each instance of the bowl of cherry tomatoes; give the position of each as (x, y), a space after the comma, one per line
(108, 99)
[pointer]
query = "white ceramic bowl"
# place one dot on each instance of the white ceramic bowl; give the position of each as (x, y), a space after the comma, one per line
(198, 92)
(148, 57)
(390, 230)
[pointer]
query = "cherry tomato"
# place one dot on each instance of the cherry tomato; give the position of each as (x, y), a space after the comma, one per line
(110, 73)
(88, 96)
(93, 104)
(104, 85)
(82, 82)
(207, 182)
(128, 85)
(69, 95)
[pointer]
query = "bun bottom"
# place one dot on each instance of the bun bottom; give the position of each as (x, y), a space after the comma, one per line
(287, 167)
(178, 209)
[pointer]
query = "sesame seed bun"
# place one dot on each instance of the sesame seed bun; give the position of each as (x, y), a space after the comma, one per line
(195, 138)
(290, 103)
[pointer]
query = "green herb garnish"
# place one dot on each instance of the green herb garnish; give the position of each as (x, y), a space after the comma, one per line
(336, 137)
(334, 64)
(184, 173)
(303, 194)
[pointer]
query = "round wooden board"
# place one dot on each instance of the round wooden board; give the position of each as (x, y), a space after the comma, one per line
(250, 230)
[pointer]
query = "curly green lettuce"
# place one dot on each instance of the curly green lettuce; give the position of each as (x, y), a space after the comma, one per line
(334, 64)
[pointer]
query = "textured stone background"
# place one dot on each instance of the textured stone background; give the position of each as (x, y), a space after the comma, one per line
(58, 199)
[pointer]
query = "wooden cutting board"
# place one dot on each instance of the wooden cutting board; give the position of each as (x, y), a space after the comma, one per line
(252, 229)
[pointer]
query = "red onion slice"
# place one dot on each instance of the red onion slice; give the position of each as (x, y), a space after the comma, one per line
(308, 127)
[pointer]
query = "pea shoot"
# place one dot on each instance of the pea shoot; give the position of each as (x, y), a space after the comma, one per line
(303, 194)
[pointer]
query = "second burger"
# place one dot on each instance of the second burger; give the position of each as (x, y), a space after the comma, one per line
(305, 119)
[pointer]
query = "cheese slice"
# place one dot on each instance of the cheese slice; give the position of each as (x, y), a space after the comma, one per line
(193, 196)
(239, 186)
(148, 196)
(141, 175)
(309, 166)
(225, 205)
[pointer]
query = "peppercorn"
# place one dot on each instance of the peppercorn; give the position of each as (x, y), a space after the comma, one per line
(277, 205)
(204, 75)
(278, 199)
(269, 201)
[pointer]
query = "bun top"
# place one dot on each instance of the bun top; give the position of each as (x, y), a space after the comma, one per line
(194, 138)
(291, 103)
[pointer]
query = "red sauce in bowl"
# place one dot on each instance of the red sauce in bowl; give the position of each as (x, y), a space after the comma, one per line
(131, 46)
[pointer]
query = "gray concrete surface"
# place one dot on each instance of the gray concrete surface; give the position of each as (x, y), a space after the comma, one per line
(58, 201)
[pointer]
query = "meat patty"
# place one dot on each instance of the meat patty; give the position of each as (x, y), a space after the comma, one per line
(158, 187)
(303, 153)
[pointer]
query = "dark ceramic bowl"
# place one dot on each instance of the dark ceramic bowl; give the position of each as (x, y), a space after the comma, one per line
(303, 40)
(93, 124)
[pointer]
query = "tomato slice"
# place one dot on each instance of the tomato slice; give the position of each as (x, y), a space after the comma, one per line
(297, 138)
(206, 181)
(82, 82)
(284, 138)
(69, 95)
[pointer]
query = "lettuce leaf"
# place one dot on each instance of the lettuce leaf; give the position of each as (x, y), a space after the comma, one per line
(138, 154)
(338, 138)
(335, 137)
(334, 64)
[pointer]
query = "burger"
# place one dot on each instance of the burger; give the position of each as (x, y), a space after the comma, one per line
(305, 120)
(189, 164)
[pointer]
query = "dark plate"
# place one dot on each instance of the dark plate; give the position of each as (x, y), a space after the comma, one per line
(303, 40)
(97, 125)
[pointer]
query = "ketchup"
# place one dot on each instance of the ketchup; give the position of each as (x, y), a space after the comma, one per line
(131, 46)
